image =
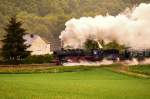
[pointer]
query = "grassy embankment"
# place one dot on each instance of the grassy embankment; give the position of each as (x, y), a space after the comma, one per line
(142, 69)
(45, 68)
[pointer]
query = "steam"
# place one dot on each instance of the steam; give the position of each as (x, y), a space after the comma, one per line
(131, 62)
(130, 28)
(134, 61)
(108, 62)
(87, 63)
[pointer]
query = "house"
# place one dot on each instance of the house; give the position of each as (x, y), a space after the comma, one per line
(38, 45)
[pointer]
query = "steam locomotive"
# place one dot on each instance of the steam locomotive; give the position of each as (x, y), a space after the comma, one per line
(93, 55)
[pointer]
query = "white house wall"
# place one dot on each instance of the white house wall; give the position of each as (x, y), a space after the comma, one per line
(38, 45)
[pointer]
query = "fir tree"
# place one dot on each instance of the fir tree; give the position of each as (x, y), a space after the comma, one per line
(14, 49)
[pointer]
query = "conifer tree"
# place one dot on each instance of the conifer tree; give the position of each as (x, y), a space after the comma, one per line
(14, 48)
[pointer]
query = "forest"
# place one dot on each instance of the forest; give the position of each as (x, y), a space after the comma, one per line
(47, 17)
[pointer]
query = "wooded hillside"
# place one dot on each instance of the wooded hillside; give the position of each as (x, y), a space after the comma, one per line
(47, 17)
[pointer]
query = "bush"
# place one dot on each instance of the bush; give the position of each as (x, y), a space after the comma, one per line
(38, 59)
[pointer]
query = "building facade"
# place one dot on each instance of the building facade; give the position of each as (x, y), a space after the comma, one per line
(38, 46)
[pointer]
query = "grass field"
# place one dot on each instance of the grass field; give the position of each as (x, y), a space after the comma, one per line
(98, 83)
(143, 69)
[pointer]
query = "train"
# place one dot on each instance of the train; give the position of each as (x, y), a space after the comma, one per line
(94, 55)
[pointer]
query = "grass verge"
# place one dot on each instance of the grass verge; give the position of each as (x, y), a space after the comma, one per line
(22, 69)
(142, 69)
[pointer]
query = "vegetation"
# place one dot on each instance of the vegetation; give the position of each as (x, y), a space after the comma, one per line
(115, 45)
(47, 17)
(142, 69)
(92, 84)
(38, 59)
(45, 68)
(14, 49)
(90, 44)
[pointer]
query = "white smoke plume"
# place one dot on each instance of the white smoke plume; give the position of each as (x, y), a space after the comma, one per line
(130, 28)
(108, 62)
(87, 63)
(134, 61)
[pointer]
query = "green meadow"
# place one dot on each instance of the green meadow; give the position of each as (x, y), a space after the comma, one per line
(97, 83)
(142, 69)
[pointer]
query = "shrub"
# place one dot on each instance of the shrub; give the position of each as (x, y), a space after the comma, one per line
(38, 59)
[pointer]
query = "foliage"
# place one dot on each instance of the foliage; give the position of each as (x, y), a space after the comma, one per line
(91, 44)
(115, 45)
(47, 17)
(38, 59)
(14, 49)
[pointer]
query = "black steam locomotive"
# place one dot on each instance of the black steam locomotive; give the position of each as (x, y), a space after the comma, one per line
(75, 55)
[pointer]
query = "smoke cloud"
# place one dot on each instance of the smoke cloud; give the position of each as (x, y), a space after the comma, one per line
(87, 63)
(130, 28)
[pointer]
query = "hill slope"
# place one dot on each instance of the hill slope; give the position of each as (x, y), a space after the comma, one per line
(47, 17)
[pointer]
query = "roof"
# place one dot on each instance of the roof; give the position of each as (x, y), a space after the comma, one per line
(32, 37)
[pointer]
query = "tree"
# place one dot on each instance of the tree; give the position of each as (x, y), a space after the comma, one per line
(14, 48)
(91, 44)
(114, 45)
